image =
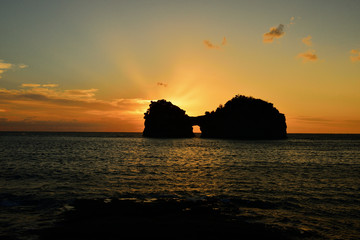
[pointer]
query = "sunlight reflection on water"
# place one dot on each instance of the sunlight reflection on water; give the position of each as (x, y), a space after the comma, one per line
(302, 182)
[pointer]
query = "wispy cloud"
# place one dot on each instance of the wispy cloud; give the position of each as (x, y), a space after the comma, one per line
(210, 45)
(307, 41)
(292, 20)
(50, 85)
(50, 90)
(274, 33)
(313, 119)
(33, 124)
(224, 41)
(308, 56)
(4, 66)
(31, 85)
(35, 85)
(22, 66)
(322, 124)
(162, 84)
(356, 56)
(41, 108)
(81, 92)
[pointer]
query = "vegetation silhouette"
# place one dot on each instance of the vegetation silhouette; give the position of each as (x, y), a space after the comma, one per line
(245, 118)
(241, 117)
(165, 120)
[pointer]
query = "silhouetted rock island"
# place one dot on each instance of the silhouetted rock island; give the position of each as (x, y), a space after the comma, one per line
(240, 118)
(163, 119)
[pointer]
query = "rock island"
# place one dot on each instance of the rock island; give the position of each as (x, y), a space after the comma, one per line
(240, 118)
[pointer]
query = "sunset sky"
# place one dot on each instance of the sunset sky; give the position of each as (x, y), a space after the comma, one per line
(95, 65)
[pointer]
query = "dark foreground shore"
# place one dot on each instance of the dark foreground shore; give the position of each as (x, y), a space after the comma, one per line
(161, 219)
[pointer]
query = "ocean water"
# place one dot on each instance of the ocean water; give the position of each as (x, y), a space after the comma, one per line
(307, 182)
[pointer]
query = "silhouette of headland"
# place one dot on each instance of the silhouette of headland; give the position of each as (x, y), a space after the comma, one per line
(240, 118)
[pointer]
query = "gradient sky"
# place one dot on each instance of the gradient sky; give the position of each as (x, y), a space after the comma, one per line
(95, 65)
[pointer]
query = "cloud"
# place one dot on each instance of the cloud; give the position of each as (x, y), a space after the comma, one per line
(82, 92)
(39, 108)
(34, 85)
(308, 56)
(292, 19)
(321, 124)
(224, 42)
(275, 32)
(30, 85)
(6, 66)
(69, 99)
(31, 124)
(49, 90)
(313, 119)
(307, 41)
(210, 45)
(357, 55)
(162, 84)
(22, 66)
(50, 85)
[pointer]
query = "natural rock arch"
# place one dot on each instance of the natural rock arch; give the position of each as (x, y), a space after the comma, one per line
(241, 118)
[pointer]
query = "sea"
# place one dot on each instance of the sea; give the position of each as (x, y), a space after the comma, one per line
(307, 182)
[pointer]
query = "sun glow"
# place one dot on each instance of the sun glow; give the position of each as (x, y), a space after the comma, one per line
(193, 55)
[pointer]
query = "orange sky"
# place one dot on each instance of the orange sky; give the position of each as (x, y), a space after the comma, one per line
(66, 66)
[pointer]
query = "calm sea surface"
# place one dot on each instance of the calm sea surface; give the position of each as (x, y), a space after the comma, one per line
(306, 182)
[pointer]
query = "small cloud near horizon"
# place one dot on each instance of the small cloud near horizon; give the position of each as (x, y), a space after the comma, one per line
(81, 92)
(34, 85)
(30, 85)
(307, 41)
(357, 55)
(308, 56)
(46, 109)
(210, 45)
(50, 85)
(274, 33)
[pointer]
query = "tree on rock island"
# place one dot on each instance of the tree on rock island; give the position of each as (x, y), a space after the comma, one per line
(163, 119)
(244, 118)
